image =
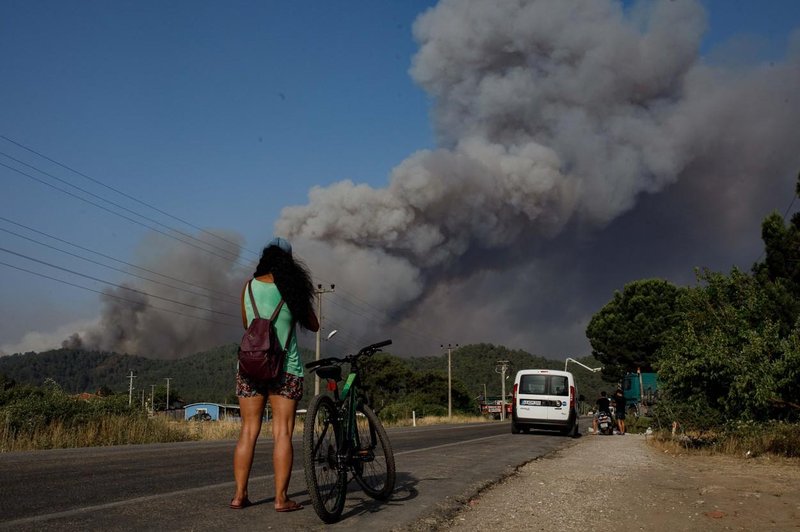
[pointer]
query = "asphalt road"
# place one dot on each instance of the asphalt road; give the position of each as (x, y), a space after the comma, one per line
(187, 486)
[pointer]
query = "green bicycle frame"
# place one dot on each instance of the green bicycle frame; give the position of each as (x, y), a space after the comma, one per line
(347, 402)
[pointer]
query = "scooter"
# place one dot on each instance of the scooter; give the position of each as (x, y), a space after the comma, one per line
(605, 425)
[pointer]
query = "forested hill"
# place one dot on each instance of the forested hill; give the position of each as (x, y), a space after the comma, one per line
(477, 364)
(210, 375)
(205, 376)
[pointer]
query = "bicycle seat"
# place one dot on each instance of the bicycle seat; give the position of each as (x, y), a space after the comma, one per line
(330, 372)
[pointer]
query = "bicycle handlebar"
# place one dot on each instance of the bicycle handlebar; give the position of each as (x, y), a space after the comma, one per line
(368, 350)
(375, 347)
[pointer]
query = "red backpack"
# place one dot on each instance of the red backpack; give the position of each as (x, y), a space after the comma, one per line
(261, 355)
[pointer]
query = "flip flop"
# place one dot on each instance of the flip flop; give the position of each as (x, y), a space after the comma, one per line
(241, 504)
(294, 506)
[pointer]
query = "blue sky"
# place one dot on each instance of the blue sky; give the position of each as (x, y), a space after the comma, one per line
(220, 114)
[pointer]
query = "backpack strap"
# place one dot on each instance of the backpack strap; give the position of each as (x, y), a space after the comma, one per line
(277, 309)
(291, 328)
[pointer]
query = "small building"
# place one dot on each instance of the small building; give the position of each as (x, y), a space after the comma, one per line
(211, 412)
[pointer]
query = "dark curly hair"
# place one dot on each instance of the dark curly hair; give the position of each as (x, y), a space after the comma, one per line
(292, 279)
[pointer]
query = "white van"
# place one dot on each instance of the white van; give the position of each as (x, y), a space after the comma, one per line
(544, 399)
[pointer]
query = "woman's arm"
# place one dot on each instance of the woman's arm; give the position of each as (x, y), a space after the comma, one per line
(244, 313)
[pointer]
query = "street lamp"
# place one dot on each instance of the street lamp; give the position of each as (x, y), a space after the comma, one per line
(319, 291)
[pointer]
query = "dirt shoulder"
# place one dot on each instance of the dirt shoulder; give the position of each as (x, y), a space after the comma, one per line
(625, 483)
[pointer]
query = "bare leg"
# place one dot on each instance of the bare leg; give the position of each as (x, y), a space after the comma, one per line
(283, 415)
(252, 410)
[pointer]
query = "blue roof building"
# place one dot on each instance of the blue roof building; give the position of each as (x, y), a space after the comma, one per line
(211, 412)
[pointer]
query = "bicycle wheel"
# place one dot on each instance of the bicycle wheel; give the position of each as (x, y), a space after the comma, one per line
(373, 462)
(326, 481)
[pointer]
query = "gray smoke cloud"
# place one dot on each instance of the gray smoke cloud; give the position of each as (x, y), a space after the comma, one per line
(191, 306)
(581, 146)
(555, 120)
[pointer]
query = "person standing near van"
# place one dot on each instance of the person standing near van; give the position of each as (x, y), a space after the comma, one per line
(278, 277)
(619, 408)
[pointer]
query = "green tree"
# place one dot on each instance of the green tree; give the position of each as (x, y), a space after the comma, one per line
(386, 379)
(6, 383)
(726, 361)
(429, 388)
(629, 330)
(779, 272)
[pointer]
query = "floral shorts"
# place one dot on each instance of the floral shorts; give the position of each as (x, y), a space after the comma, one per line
(289, 386)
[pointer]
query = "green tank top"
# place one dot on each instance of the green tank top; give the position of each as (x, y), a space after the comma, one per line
(267, 298)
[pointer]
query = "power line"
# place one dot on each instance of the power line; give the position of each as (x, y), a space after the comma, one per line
(110, 257)
(111, 267)
(109, 187)
(230, 257)
(123, 287)
(149, 305)
(117, 205)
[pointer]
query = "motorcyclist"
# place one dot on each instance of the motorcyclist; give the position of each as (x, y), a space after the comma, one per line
(603, 405)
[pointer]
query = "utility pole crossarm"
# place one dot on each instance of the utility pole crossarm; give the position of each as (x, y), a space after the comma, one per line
(568, 360)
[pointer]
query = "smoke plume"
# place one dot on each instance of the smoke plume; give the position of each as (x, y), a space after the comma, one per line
(554, 119)
(581, 145)
(191, 306)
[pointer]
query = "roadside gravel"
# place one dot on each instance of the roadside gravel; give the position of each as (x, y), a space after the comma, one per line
(622, 483)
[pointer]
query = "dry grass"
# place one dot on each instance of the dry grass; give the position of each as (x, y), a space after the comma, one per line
(125, 430)
(440, 420)
(108, 430)
(209, 430)
(772, 440)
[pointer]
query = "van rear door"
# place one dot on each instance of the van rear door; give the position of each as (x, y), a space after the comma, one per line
(531, 397)
(558, 394)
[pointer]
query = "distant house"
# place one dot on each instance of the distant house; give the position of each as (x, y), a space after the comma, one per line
(211, 411)
(86, 396)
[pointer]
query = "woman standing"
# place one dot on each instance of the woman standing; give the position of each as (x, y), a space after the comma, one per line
(278, 276)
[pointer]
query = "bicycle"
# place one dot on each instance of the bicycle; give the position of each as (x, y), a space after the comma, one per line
(342, 434)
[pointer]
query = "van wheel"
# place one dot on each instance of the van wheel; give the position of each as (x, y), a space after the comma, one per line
(514, 428)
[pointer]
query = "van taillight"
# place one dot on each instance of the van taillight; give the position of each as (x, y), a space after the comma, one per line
(514, 394)
(571, 397)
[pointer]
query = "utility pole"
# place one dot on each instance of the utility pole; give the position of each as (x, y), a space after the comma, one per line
(153, 398)
(319, 291)
(130, 388)
(501, 367)
(167, 379)
(450, 348)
